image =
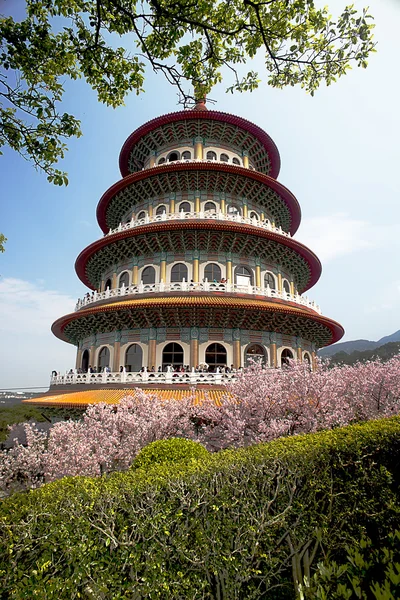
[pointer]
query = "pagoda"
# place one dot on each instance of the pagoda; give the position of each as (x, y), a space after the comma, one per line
(197, 272)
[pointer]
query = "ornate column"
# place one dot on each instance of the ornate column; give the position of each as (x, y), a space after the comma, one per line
(273, 352)
(258, 273)
(222, 201)
(103, 285)
(135, 274)
(291, 285)
(197, 201)
(78, 357)
(150, 210)
(236, 349)
(92, 352)
(194, 347)
(151, 358)
(229, 267)
(163, 267)
(195, 266)
(117, 352)
(262, 216)
(198, 148)
(314, 360)
(153, 155)
(172, 198)
(245, 159)
(245, 211)
(114, 281)
(298, 349)
(279, 281)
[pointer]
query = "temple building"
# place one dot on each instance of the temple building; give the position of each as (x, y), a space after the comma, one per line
(197, 271)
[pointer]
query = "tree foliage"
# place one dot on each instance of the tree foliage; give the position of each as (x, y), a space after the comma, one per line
(192, 43)
(3, 240)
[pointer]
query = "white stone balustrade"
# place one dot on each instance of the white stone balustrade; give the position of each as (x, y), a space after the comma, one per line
(217, 216)
(145, 377)
(187, 286)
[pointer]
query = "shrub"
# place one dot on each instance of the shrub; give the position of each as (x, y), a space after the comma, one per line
(11, 415)
(173, 450)
(246, 523)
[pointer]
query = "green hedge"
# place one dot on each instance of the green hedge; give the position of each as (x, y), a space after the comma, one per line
(174, 450)
(243, 524)
(20, 413)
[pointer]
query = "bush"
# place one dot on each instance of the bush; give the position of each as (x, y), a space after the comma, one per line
(248, 523)
(13, 415)
(173, 450)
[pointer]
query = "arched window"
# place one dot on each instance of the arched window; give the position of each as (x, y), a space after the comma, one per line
(286, 286)
(212, 272)
(161, 160)
(307, 358)
(172, 355)
(103, 359)
(269, 280)
(236, 161)
(286, 356)
(215, 357)
(124, 279)
(211, 155)
(186, 155)
(149, 275)
(233, 209)
(224, 158)
(161, 209)
(173, 156)
(185, 207)
(85, 361)
(243, 276)
(141, 215)
(257, 353)
(210, 206)
(179, 272)
(133, 358)
(254, 215)
(108, 284)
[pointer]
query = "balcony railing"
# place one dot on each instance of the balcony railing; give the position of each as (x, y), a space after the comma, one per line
(210, 214)
(147, 378)
(187, 286)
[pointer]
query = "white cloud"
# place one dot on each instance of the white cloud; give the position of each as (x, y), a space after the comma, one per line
(29, 351)
(335, 235)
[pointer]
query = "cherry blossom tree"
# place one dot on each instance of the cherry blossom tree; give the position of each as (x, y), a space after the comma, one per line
(261, 405)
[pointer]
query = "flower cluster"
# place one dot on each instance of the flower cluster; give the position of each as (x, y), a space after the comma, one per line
(261, 405)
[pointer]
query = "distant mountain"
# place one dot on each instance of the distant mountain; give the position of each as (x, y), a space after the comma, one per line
(358, 345)
(384, 352)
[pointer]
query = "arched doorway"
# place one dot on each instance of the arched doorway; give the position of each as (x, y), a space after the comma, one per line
(212, 272)
(108, 284)
(184, 207)
(133, 358)
(124, 279)
(179, 272)
(103, 359)
(172, 355)
(85, 361)
(215, 357)
(286, 355)
(243, 276)
(149, 275)
(255, 352)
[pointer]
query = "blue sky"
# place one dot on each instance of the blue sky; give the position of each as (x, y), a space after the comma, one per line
(340, 157)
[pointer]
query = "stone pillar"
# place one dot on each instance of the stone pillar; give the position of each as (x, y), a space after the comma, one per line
(229, 270)
(236, 354)
(262, 216)
(274, 355)
(197, 201)
(150, 210)
(172, 203)
(152, 159)
(314, 360)
(279, 282)
(78, 362)
(194, 353)
(92, 353)
(198, 148)
(223, 205)
(163, 269)
(103, 285)
(245, 211)
(135, 273)
(151, 359)
(195, 267)
(299, 354)
(258, 274)
(245, 159)
(117, 354)
(292, 287)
